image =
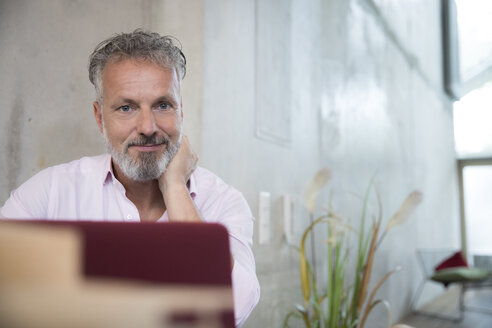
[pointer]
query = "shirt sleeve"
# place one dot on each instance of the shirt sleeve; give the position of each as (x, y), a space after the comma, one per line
(237, 218)
(30, 200)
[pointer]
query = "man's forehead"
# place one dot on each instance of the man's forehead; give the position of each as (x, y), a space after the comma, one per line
(125, 72)
(136, 64)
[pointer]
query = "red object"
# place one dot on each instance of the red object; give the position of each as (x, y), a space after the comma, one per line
(455, 260)
(162, 253)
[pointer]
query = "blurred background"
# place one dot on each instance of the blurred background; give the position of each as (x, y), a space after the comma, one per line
(399, 90)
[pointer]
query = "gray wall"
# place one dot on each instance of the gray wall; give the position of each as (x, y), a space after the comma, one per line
(275, 89)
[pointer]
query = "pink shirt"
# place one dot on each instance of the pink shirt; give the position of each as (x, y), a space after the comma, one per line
(86, 189)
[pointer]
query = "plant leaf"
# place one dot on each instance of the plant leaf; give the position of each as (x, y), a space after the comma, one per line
(304, 315)
(373, 293)
(408, 206)
(320, 179)
(287, 318)
(303, 262)
(369, 309)
(362, 248)
(303, 269)
(318, 313)
(366, 277)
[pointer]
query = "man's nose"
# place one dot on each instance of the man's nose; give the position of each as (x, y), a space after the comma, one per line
(146, 122)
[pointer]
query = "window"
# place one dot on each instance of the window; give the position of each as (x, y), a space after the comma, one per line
(467, 45)
(473, 123)
(477, 192)
(468, 79)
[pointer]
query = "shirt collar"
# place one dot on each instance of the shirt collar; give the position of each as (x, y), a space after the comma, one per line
(107, 170)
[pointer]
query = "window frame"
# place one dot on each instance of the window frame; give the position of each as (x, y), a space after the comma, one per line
(462, 163)
(454, 85)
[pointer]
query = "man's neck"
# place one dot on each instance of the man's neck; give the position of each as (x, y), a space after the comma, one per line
(145, 195)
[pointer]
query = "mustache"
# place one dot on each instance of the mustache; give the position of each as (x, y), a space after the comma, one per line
(149, 140)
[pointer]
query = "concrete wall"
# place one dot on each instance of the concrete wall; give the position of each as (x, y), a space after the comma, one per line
(275, 89)
(45, 97)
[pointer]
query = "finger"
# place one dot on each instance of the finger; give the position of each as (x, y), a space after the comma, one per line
(186, 141)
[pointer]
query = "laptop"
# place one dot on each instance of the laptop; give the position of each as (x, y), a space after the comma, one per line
(171, 253)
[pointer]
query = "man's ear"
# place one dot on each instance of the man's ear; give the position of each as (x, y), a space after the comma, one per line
(98, 115)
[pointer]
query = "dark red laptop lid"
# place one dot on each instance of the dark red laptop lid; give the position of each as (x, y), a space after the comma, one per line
(171, 252)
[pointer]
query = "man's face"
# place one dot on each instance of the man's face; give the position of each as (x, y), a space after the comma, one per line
(140, 117)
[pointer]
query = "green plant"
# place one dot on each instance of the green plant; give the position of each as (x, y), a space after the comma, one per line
(342, 303)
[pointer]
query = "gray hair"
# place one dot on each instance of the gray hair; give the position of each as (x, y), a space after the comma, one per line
(140, 44)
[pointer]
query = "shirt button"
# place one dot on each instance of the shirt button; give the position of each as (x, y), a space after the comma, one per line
(129, 217)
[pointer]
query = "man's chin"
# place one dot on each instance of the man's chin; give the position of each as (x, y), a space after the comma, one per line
(145, 167)
(143, 174)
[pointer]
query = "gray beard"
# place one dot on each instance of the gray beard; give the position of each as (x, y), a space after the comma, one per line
(147, 166)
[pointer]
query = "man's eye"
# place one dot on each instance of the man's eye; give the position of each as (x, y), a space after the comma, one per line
(164, 106)
(125, 108)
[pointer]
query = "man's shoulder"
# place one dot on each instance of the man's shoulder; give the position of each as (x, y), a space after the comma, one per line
(70, 172)
(83, 165)
(209, 183)
(208, 180)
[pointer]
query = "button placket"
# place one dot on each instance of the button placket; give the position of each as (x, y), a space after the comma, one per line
(125, 204)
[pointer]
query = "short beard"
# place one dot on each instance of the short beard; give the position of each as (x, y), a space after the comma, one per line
(147, 166)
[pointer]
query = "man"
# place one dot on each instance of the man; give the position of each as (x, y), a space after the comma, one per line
(150, 173)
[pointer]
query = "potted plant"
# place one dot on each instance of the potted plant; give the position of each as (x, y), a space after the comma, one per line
(341, 303)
